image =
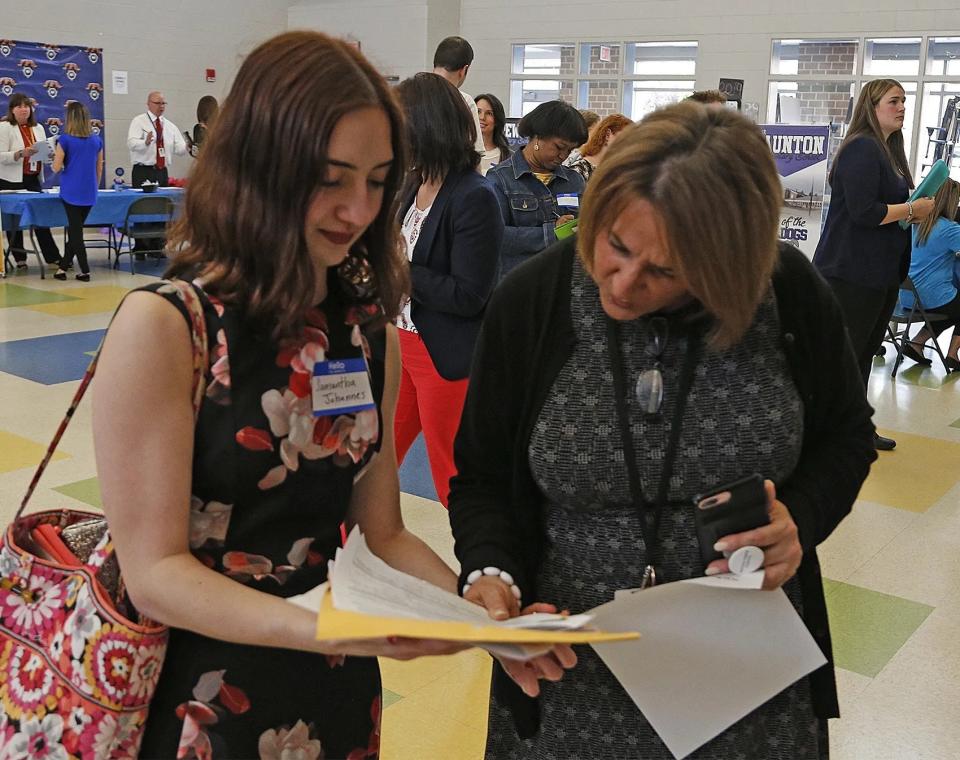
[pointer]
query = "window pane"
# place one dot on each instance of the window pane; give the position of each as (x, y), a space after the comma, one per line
(545, 60)
(893, 57)
(943, 56)
(661, 58)
(527, 94)
(819, 102)
(600, 58)
(601, 96)
(642, 97)
(939, 119)
(814, 57)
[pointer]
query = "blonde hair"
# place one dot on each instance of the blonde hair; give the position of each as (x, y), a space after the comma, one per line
(78, 120)
(864, 123)
(676, 158)
(945, 204)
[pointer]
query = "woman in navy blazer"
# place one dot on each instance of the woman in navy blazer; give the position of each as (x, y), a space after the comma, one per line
(453, 229)
(863, 253)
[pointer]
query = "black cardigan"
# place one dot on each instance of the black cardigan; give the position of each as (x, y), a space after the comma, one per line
(528, 335)
(854, 246)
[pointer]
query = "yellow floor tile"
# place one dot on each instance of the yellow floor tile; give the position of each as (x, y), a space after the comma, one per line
(17, 452)
(92, 299)
(914, 476)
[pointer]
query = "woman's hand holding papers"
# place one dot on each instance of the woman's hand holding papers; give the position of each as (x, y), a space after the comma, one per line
(494, 595)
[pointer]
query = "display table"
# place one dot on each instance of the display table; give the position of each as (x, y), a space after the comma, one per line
(26, 210)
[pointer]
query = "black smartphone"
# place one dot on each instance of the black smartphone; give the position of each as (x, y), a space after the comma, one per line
(730, 508)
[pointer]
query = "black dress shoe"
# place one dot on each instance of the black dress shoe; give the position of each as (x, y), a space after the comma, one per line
(883, 444)
(910, 351)
(952, 364)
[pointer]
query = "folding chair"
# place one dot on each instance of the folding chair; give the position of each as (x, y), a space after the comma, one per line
(898, 330)
(159, 209)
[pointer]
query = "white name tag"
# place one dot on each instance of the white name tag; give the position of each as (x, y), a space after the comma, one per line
(161, 153)
(341, 386)
(568, 200)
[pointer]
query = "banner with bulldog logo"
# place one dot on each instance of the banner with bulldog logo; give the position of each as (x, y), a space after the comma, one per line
(53, 75)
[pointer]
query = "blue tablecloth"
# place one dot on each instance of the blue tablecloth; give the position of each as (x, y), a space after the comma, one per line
(24, 210)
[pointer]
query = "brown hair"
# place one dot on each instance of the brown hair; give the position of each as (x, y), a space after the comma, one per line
(613, 124)
(945, 204)
(244, 210)
(78, 120)
(864, 123)
(589, 117)
(707, 96)
(19, 99)
(207, 108)
(675, 158)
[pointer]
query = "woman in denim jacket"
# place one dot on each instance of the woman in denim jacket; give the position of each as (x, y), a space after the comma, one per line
(530, 182)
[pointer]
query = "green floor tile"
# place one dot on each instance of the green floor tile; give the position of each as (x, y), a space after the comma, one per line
(87, 491)
(389, 698)
(868, 628)
(18, 295)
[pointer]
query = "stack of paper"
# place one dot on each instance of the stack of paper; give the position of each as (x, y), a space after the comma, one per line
(370, 599)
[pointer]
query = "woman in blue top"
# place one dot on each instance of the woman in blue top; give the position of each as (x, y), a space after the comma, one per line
(532, 183)
(933, 269)
(863, 253)
(80, 156)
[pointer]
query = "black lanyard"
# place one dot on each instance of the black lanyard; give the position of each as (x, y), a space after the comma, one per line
(650, 513)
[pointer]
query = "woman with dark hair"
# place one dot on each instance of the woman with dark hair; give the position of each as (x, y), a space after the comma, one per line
(452, 227)
(207, 108)
(289, 236)
(19, 134)
(537, 193)
(863, 253)
(492, 122)
(628, 368)
(79, 155)
(601, 139)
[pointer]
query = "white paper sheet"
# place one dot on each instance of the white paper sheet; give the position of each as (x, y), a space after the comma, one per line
(708, 655)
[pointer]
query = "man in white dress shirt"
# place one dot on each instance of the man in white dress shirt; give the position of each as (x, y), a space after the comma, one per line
(452, 61)
(153, 140)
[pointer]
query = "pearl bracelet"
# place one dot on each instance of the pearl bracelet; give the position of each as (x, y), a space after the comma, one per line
(909, 211)
(492, 571)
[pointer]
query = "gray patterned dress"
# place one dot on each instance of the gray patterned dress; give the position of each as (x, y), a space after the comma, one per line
(743, 415)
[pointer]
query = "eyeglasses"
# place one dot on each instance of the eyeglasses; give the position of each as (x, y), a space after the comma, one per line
(649, 388)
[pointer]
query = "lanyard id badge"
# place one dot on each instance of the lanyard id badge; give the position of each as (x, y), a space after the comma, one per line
(341, 386)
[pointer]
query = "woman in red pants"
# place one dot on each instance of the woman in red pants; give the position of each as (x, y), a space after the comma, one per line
(453, 229)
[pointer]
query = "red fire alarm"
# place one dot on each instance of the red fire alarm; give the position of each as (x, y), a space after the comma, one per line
(211, 75)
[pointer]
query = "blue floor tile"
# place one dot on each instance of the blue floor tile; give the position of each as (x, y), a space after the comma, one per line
(51, 360)
(415, 474)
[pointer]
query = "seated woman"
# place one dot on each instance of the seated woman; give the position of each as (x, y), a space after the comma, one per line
(529, 183)
(593, 152)
(933, 269)
(754, 375)
(452, 227)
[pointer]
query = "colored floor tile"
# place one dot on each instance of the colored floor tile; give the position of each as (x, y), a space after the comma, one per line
(50, 360)
(87, 491)
(415, 474)
(916, 475)
(390, 698)
(19, 295)
(867, 627)
(91, 299)
(17, 452)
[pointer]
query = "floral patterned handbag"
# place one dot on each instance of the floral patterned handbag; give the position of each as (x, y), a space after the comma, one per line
(76, 674)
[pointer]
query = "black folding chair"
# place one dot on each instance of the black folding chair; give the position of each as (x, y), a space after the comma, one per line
(898, 330)
(133, 230)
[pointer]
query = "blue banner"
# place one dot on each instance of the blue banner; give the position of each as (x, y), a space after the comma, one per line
(53, 75)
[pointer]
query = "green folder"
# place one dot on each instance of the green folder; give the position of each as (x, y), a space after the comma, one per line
(930, 184)
(566, 229)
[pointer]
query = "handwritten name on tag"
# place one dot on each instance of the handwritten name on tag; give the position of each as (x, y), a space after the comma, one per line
(341, 386)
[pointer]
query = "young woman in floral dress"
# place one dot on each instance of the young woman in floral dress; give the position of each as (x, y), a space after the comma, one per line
(289, 237)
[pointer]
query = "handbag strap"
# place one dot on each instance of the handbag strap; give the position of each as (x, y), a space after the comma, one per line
(190, 296)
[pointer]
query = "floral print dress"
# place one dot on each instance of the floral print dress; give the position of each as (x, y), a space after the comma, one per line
(271, 486)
